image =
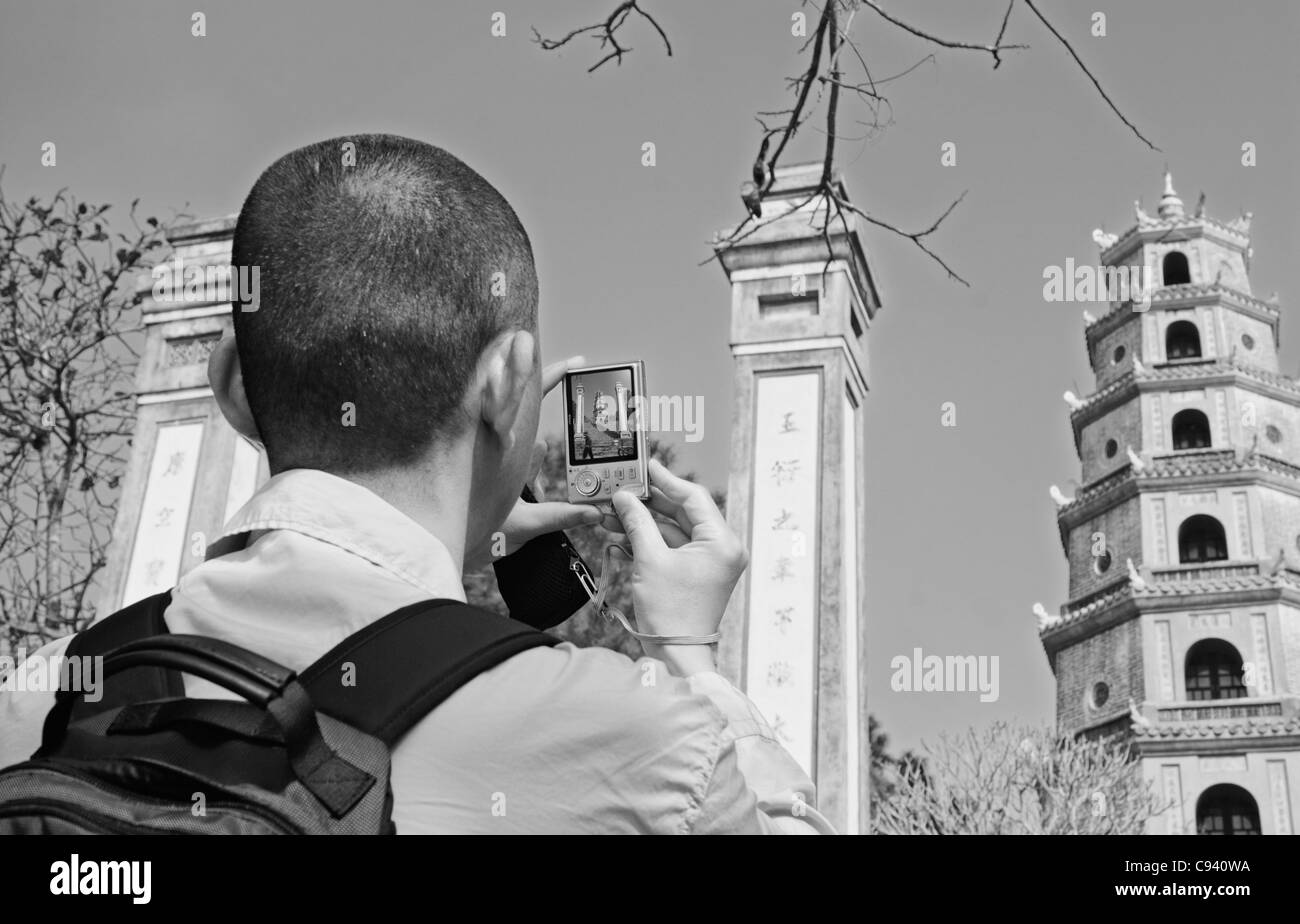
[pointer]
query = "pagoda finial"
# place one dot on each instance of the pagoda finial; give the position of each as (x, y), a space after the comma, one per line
(1170, 205)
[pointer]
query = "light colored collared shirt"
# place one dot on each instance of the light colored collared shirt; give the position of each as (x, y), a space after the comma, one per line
(554, 740)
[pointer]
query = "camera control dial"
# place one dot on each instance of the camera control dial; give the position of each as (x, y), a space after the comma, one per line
(587, 483)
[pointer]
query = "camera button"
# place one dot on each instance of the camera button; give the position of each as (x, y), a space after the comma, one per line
(587, 483)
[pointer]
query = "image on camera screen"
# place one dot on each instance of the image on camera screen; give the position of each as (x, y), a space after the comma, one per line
(602, 416)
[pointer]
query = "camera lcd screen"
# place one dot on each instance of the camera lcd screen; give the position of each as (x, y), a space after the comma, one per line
(602, 416)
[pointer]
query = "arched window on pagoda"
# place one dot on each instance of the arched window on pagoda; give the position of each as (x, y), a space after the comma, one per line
(1191, 430)
(1174, 269)
(1201, 539)
(1182, 341)
(1213, 671)
(1227, 810)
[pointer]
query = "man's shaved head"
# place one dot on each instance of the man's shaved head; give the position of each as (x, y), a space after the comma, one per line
(380, 285)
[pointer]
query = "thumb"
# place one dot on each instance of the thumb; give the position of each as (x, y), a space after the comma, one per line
(537, 461)
(638, 524)
(528, 521)
(549, 516)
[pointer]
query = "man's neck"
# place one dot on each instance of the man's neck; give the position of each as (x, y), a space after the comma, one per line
(434, 493)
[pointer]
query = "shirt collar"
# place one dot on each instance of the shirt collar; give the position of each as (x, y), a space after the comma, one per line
(344, 514)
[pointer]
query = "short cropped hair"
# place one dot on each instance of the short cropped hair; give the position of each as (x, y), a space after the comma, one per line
(385, 267)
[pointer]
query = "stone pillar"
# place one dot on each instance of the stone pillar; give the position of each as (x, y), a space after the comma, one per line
(794, 637)
(188, 471)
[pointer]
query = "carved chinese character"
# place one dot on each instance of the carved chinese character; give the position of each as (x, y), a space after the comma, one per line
(784, 470)
(782, 520)
(787, 423)
(778, 674)
(164, 517)
(782, 570)
(175, 464)
(784, 617)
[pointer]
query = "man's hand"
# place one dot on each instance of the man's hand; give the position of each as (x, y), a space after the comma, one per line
(528, 521)
(684, 565)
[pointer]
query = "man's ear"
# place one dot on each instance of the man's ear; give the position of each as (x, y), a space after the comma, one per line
(506, 370)
(227, 381)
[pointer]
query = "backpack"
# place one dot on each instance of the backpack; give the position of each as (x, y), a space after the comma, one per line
(302, 754)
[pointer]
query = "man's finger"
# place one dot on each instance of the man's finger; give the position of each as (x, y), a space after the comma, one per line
(611, 523)
(640, 526)
(549, 516)
(693, 499)
(660, 504)
(539, 457)
(552, 374)
(674, 536)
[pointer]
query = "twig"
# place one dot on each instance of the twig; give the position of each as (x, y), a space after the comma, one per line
(993, 49)
(814, 67)
(916, 237)
(1006, 18)
(604, 32)
(1084, 67)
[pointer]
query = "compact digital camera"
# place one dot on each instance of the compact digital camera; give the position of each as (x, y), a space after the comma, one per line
(604, 438)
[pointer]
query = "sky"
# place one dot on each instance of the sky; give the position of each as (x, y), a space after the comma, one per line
(961, 538)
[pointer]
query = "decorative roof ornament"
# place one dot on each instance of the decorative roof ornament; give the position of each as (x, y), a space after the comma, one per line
(1073, 400)
(1060, 498)
(1103, 240)
(1200, 206)
(1171, 207)
(1142, 217)
(1242, 224)
(1247, 454)
(1136, 715)
(1045, 619)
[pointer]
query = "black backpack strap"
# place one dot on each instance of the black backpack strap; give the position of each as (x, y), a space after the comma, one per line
(137, 684)
(410, 661)
(404, 664)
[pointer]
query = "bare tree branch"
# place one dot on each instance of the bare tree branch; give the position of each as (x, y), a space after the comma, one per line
(1084, 67)
(832, 106)
(825, 48)
(806, 82)
(993, 49)
(916, 237)
(606, 34)
(1002, 30)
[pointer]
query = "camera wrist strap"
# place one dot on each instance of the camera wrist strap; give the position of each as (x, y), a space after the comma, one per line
(597, 595)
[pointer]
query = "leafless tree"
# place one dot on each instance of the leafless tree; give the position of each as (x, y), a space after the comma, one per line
(836, 67)
(1010, 779)
(67, 351)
